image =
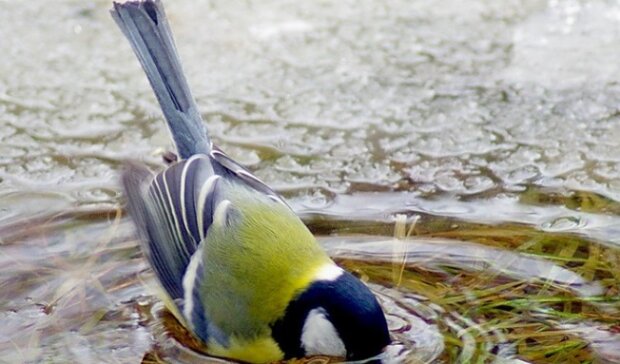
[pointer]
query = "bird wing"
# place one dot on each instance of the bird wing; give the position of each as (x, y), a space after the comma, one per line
(174, 209)
(233, 170)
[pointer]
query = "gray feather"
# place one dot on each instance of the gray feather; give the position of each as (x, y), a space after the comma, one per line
(144, 24)
(167, 267)
(234, 171)
(165, 209)
(174, 209)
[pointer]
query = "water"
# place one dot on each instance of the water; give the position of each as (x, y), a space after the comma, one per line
(494, 122)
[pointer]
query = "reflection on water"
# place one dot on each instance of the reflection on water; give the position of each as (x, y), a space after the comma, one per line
(69, 284)
(438, 255)
(495, 122)
(482, 297)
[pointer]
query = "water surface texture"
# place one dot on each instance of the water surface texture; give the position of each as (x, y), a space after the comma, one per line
(493, 125)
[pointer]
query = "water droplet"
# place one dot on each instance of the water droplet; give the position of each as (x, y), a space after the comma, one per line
(564, 223)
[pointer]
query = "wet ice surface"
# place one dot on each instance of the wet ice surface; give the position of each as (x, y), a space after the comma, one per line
(354, 110)
(331, 98)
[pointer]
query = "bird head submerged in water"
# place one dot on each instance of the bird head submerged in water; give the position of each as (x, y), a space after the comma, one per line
(238, 266)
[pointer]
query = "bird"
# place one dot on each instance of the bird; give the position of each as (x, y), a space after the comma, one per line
(238, 267)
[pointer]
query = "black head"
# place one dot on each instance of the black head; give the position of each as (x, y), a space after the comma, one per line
(341, 314)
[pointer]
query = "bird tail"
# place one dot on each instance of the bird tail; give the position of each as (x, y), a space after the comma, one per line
(145, 26)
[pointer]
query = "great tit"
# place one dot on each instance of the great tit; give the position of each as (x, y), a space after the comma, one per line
(238, 267)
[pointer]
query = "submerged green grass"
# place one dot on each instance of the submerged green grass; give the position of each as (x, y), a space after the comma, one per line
(536, 320)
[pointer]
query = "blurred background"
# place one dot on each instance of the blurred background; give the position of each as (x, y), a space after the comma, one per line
(493, 124)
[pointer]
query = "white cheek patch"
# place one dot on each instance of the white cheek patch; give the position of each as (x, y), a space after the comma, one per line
(328, 272)
(319, 336)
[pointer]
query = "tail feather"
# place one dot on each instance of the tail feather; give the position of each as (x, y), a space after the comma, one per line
(144, 24)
